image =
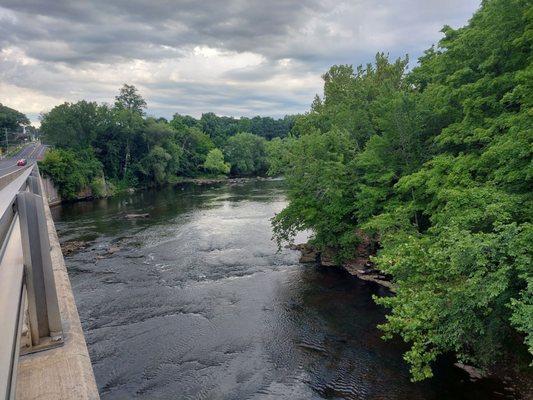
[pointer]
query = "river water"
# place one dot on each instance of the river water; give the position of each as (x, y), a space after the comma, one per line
(195, 302)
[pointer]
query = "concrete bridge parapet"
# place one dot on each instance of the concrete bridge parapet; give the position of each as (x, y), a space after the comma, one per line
(63, 372)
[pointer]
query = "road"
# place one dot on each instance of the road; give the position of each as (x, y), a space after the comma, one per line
(31, 152)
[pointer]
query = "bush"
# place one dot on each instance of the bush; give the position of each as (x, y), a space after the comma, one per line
(98, 187)
(70, 171)
(214, 163)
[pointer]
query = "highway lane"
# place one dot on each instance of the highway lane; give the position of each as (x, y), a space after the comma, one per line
(32, 152)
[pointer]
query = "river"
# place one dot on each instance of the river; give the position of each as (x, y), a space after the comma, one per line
(195, 302)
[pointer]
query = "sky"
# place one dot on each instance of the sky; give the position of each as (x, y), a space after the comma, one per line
(231, 57)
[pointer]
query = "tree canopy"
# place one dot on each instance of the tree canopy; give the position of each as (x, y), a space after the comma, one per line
(246, 154)
(132, 149)
(11, 119)
(130, 99)
(214, 162)
(434, 165)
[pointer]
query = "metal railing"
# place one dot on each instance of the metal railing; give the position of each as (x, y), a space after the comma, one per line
(27, 289)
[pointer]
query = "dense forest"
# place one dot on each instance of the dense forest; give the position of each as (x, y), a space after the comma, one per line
(94, 143)
(433, 165)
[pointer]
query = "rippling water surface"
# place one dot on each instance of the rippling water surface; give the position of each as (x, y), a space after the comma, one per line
(195, 302)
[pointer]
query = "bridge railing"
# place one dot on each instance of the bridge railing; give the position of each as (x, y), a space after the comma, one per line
(28, 295)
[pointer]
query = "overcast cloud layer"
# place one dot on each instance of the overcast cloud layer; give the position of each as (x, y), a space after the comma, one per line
(232, 57)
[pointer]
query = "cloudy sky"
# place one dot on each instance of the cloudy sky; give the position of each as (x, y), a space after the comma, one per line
(232, 57)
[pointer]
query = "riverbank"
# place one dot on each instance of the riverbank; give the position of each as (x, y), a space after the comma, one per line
(360, 266)
(87, 194)
(212, 181)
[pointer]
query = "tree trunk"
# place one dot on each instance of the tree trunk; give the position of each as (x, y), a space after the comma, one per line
(126, 159)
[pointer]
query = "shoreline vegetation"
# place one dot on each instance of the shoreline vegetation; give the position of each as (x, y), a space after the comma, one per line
(362, 267)
(429, 170)
(419, 178)
(86, 195)
(109, 149)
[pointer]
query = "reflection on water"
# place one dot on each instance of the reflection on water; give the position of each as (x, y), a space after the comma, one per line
(195, 302)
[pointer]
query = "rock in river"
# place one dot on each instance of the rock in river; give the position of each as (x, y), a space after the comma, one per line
(309, 253)
(136, 216)
(73, 246)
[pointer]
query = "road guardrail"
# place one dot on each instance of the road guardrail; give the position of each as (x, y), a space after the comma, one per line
(27, 289)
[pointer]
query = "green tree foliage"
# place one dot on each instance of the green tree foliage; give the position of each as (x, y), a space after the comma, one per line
(130, 99)
(72, 171)
(135, 150)
(246, 154)
(220, 129)
(164, 158)
(11, 119)
(185, 121)
(434, 164)
(12, 123)
(72, 125)
(214, 163)
(279, 155)
(328, 161)
(196, 145)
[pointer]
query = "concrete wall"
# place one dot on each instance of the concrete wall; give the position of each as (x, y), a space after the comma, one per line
(52, 195)
(62, 373)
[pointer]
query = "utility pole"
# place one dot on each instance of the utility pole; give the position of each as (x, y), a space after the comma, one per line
(7, 143)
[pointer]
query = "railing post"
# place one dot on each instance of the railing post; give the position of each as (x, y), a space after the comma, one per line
(34, 184)
(12, 298)
(43, 308)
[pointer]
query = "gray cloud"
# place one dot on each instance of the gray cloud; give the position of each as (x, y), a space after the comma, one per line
(91, 31)
(232, 56)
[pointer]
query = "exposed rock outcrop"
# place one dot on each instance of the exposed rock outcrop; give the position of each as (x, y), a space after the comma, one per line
(327, 258)
(308, 253)
(359, 266)
(73, 246)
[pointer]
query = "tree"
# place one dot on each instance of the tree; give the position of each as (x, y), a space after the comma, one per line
(246, 154)
(11, 119)
(156, 132)
(129, 110)
(220, 129)
(72, 125)
(214, 162)
(329, 176)
(130, 99)
(279, 155)
(184, 121)
(159, 166)
(135, 150)
(160, 157)
(196, 145)
(464, 280)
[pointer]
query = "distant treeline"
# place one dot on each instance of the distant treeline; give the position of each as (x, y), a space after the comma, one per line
(120, 144)
(11, 119)
(13, 124)
(220, 128)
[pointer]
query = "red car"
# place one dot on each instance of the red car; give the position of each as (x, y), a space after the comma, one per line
(21, 162)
